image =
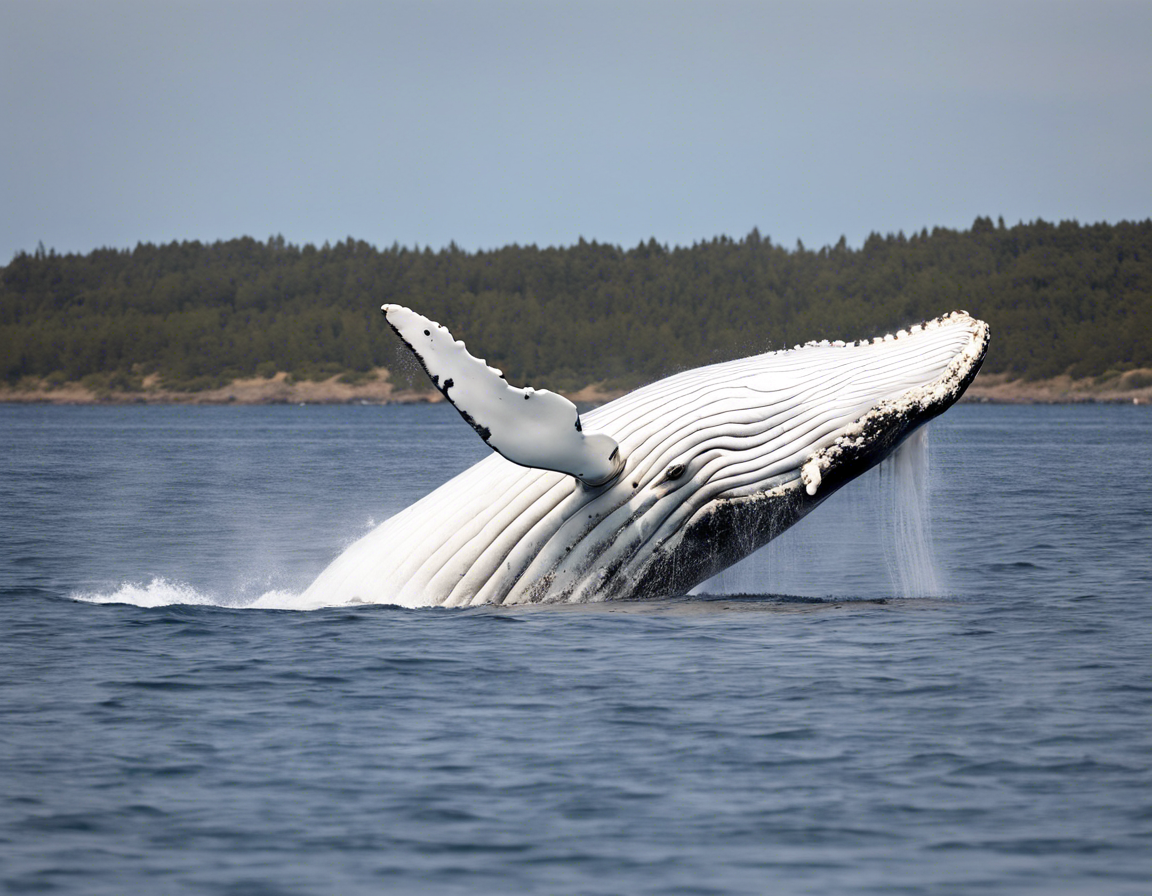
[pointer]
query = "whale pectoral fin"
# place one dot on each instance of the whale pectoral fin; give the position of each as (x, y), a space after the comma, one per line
(530, 427)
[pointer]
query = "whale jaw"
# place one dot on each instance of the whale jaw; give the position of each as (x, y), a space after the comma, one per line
(731, 528)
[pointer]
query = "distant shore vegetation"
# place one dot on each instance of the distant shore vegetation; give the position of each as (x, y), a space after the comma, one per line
(1061, 298)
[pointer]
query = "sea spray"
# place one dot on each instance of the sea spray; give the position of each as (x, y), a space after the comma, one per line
(911, 560)
(840, 552)
(161, 592)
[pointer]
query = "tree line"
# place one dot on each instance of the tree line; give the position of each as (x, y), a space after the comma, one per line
(1061, 298)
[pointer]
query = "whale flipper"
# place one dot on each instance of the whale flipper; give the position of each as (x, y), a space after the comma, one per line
(533, 428)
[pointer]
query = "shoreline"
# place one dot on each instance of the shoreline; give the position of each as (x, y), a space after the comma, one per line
(1133, 387)
(376, 389)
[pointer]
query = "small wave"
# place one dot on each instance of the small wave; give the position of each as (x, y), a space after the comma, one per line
(161, 592)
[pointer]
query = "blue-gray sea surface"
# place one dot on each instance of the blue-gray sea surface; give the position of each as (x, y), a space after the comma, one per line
(817, 733)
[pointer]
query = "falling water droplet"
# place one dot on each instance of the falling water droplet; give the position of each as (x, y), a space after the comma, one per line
(912, 564)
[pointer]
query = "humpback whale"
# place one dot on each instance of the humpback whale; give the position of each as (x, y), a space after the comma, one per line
(650, 494)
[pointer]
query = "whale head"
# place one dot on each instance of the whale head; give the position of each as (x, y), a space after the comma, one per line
(709, 465)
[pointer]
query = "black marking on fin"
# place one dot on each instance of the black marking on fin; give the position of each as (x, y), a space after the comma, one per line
(579, 428)
(483, 431)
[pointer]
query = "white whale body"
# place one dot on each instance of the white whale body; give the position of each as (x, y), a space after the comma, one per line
(656, 491)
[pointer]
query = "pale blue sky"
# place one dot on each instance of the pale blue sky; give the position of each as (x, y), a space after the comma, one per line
(496, 122)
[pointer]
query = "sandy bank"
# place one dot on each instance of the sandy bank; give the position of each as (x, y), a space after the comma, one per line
(280, 389)
(1133, 387)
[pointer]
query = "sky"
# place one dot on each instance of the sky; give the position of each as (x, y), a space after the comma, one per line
(489, 123)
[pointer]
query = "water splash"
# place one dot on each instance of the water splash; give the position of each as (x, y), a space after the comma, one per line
(837, 553)
(161, 592)
(912, 564)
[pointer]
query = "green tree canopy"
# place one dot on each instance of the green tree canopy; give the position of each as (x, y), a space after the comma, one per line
(1061, 298)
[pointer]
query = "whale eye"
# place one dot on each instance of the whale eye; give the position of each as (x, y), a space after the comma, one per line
(674, 472)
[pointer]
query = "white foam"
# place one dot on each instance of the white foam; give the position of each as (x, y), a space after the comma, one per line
(161, 592)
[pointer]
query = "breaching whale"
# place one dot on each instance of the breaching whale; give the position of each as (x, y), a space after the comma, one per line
(652, 493)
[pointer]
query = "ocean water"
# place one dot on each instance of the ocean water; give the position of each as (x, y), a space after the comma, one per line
(799, 726)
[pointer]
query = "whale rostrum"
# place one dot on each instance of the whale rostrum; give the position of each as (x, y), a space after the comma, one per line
(652, 493)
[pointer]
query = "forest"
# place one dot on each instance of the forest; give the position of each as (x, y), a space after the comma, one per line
(1061, 298)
